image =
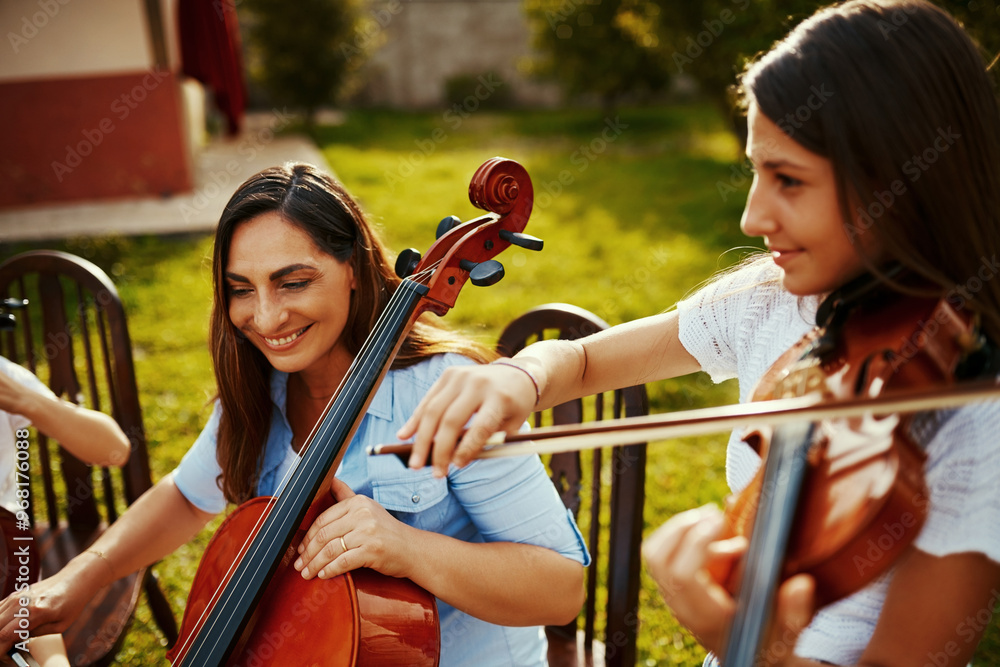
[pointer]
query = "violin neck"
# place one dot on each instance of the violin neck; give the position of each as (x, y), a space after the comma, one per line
(325, 447)
(784, 472)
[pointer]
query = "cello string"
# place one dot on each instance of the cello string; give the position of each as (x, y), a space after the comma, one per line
(252, 546)
(377, 332)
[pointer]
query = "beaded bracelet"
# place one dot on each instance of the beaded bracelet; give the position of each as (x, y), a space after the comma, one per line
(538, 393)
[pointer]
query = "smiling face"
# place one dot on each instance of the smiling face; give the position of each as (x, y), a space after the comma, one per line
(793, 205)
(288, 297)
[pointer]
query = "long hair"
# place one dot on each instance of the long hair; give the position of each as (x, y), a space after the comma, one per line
(313, 201)
(896, 95)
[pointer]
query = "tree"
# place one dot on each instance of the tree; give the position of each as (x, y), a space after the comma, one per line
(711, 41)
(303, 53)
(608, 48)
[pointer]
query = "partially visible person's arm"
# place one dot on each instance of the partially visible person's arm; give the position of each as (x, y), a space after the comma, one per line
(498, 398)
(91, 436)
(159, 522)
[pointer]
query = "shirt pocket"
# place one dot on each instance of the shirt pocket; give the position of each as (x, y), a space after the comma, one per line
(400, 489)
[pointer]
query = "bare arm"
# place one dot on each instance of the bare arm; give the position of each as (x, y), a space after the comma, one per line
(625, 355)
(91, 436)
(159, 522)
(500, 398)
(538, 586)
(499, 582)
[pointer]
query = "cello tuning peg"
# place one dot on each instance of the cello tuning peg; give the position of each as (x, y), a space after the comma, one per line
(525, 241)
(483, 274)
(7, 322)
(446, 225)
(15, 303)
(406, 262)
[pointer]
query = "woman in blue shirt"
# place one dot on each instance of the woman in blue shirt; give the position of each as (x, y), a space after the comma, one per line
(299, 281)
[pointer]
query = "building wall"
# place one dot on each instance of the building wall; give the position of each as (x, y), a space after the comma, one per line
(426, 42)
(87, 113)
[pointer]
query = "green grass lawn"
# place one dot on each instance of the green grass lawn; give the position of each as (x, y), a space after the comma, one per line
(635, 210)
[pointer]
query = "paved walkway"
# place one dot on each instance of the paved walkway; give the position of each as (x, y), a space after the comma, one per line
(219, 168)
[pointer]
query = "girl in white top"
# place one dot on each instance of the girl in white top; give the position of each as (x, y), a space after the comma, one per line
(875, 134)
(91, 436)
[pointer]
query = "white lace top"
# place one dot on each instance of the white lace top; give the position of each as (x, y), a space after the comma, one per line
(737, 327)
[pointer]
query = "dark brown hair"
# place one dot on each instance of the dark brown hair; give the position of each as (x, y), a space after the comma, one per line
(896, 95)
(313, 201)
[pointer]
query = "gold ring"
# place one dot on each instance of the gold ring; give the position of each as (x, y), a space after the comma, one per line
(343, 545)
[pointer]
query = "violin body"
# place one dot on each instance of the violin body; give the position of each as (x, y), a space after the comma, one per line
(863, 502)
(848, 497)
(366, 618)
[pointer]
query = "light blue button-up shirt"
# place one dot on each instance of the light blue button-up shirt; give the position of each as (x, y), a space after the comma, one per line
(490, 500)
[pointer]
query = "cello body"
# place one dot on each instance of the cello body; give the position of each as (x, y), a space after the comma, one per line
(370, 618)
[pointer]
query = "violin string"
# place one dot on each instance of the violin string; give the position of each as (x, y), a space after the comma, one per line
(254, 547)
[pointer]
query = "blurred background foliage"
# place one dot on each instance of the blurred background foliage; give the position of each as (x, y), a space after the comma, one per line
(308, 54)
(304, 53)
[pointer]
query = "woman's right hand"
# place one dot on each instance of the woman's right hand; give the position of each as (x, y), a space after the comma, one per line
(52, 604)
(496, 397)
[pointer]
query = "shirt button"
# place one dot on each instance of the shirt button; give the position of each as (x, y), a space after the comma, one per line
(415, 498)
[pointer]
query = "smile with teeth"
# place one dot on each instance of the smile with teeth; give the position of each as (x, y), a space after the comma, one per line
(285, 340)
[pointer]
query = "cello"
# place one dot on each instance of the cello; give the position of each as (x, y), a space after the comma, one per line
(248, 605)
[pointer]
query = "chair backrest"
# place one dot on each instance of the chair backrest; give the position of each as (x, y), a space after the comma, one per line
(73, 335)
(621, 530)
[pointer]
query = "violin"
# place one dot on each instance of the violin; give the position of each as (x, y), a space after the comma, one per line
(841, 499)
(247, 604)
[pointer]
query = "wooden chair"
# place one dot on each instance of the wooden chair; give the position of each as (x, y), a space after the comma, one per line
(73, 335)
(617, 540)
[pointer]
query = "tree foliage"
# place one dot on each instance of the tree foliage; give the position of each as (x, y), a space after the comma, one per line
(607, 48)
(303, 53)
(615, 48)
(712, 40)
